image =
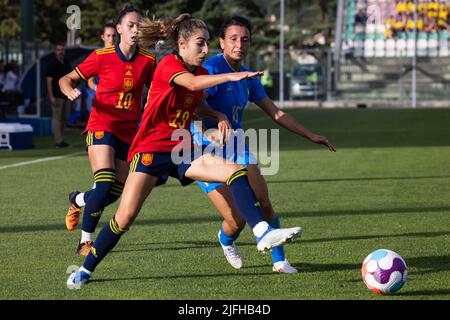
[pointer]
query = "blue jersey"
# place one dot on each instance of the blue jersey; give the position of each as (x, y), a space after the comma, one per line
(231, 98)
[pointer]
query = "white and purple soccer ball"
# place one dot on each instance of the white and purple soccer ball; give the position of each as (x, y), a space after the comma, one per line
(384, 271)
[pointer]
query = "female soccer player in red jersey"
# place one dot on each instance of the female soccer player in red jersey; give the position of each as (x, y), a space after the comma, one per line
(175, 95)
(123, 70)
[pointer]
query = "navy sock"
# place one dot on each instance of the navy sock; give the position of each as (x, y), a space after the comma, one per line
(104, 180)
(277, 252)
(225, 239)
(244, 197)
(114, 194)
(106, 240)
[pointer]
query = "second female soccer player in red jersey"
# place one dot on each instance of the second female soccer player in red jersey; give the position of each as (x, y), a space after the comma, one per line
(175, 95)
(123, 70)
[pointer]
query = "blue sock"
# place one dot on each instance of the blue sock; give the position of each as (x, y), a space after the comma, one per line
(104, 180)
(277, 252)
(225, 239)
(244, 198)
(114, 194)
(106, 240)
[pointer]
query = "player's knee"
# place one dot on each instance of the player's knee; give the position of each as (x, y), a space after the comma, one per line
(232, 168)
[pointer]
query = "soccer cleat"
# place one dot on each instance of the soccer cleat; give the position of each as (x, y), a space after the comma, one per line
(283, 267)
(73, 214)
(84, 248)
(232, 254)
(77, 279)
(276, 237)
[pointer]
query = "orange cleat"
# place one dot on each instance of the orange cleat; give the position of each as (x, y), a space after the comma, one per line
(84, 248)
(72, 217)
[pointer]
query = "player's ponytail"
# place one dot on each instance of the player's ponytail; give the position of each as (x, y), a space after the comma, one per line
(169, 30)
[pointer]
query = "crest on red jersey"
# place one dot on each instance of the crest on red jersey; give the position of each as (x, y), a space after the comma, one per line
(188, 100)
(128, 83)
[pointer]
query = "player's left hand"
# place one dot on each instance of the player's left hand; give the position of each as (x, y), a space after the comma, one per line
(323, 140)
(224, 127)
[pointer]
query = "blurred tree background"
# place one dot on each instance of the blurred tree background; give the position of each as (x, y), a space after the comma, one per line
(309, 23)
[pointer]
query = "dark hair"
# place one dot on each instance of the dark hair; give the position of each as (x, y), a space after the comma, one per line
(58, 44)
(108, 25)
(169, 30)
(127, 9)
(235, 21)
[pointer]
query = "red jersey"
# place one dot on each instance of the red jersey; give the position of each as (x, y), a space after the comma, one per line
(169, 107)
(117, 102)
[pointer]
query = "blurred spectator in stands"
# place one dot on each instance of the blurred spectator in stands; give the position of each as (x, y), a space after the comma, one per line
(410, 25)
(389, 27)
(401, 7)
(400, 23)
(422, 7)
(57, 68)
(443, 16)
(431, 25)
(361, 17)
(360, 21)
(433, 9)
(443, 5)
(410, 7)
(347, 49)
(421, 22)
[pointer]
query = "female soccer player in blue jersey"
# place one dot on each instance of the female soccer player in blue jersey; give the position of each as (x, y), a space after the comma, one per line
(231, 98)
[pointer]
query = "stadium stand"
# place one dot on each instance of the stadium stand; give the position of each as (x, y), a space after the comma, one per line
(382, 35)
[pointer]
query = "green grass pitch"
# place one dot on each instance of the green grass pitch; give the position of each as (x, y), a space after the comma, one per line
(388, 186)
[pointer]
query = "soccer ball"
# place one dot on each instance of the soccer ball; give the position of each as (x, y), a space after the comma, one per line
(384, 271)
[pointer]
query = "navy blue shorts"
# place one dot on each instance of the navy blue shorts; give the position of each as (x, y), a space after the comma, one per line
(103, 137)
(160, 165)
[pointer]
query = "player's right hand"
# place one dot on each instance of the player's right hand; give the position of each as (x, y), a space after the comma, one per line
(237, 76)
(73, 94)
(323, 140)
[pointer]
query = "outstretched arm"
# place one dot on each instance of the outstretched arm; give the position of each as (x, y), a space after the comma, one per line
(197, 83)
(287, 121)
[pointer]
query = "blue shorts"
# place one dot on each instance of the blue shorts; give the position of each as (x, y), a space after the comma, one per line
(239, 154)
(160, 165)
(107, 138)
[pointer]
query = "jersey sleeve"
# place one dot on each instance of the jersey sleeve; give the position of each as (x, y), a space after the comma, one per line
(256, 91)
(89, 67)
(171, 67)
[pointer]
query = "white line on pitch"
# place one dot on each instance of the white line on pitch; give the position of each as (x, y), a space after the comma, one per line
(40, 160)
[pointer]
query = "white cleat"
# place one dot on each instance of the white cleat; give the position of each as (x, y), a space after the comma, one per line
(233, 255)
(77, 279)
(276, 237)
(283, 267)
